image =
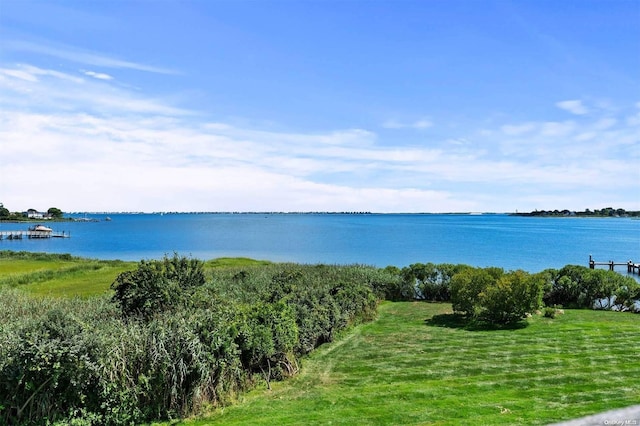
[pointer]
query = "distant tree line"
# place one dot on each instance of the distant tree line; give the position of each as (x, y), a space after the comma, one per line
(5, 214)
(605, 212)
(175, 337)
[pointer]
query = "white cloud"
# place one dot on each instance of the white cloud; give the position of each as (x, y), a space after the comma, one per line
(98, 75)
(573, 106)
(99, 146)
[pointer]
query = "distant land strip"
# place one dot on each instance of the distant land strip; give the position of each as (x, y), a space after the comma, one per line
(606, 212)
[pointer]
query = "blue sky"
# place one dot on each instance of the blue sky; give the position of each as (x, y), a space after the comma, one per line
(385, 106)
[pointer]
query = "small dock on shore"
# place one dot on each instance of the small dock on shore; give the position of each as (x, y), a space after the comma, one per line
(19, 235)
(632, 268)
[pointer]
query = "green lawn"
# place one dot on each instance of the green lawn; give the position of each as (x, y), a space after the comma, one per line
(416, 365)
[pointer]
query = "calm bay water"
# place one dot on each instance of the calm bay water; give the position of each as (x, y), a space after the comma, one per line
(528, 243)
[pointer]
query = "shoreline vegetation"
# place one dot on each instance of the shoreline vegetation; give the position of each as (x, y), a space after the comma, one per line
(55, 214)
(605, 212)
(200, 335)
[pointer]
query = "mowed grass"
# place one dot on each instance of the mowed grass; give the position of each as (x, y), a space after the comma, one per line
(416, 364)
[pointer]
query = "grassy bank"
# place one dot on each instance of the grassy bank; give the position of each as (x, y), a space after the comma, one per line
(415, 365)
(62, 275)
(59, 275)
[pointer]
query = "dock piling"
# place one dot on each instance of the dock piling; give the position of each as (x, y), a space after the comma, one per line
(632, 268)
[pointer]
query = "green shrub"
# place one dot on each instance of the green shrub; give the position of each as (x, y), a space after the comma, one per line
(430, 281)
(267, 338)
(580, 287)
(466, 287)
(492, 296)
(49, 370)
(156, 286)
(394, 287)
(510, 298)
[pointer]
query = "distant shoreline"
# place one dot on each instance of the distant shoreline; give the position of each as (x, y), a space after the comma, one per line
(74, 216)
(606, 212)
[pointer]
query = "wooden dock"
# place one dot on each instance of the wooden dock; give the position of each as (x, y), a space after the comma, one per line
(19, 235)
(632, 268)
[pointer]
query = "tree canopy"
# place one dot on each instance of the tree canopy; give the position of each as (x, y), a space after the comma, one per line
(55, 212)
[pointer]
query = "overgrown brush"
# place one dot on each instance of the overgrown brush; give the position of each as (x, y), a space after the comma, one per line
(171, 340)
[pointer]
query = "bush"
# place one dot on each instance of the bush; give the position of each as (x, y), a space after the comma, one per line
(156, 286)
(429, 281)
(580, 287)
(50, 370)
(395, 288)
(492, 296)
(266, 339)
(466, 288)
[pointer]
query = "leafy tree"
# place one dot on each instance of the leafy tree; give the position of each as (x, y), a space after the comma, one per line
(55, 212)
(627, 294)
(4, 212)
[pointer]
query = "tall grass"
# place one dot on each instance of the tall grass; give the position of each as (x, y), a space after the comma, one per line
(89, 361)
(58, 274)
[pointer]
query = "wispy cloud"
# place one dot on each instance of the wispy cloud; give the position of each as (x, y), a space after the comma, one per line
(33, 87)
(81, 56)
(98, 75)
